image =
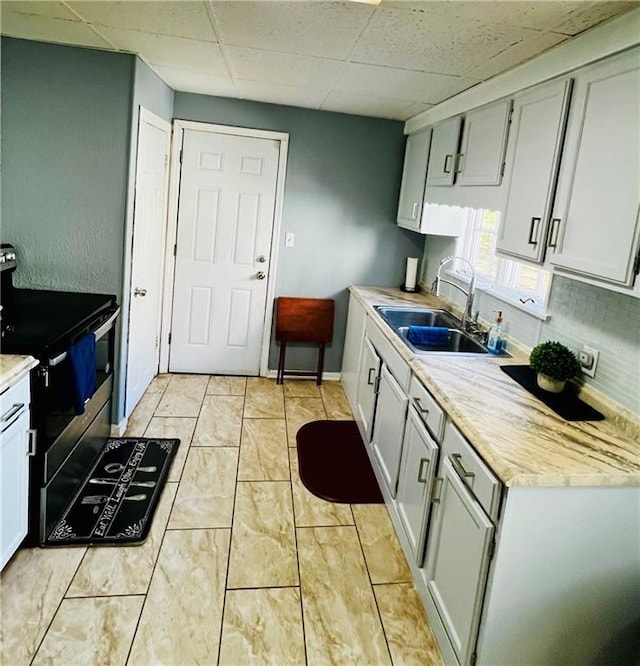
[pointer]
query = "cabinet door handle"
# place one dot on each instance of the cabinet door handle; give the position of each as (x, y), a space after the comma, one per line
(447, 165)
(422, 470)
(10, 413)
(370, 381)
(456, 461)
(33, 438)
(423, 410)
(554, 230)
(459, 162)
(533, 228)
(414, 211)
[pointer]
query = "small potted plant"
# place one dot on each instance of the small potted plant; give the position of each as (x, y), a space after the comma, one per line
(554, 364)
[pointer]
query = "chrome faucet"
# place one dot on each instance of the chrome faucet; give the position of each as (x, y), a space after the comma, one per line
(467, 317)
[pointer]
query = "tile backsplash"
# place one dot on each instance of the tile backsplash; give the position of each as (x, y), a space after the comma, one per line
(607, 321)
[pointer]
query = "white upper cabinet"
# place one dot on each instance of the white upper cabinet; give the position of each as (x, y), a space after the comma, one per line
(443, 153)
(594, 228)
(414, 172)
(535, 144)
(481, 159)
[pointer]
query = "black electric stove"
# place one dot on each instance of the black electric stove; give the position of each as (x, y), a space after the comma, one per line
(43, 324)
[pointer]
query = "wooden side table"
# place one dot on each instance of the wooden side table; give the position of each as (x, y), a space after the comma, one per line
(303, 320)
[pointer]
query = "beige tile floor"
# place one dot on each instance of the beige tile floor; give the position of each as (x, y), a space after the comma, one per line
(242, 566)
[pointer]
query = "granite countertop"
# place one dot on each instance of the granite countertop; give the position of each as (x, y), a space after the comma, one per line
(13, 368)
(521, 439)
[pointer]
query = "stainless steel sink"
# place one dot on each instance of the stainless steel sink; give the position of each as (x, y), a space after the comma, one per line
(400, 318)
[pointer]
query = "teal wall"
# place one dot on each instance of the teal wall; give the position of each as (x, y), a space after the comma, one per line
(66, 115)
(341, 194)
(69, 134)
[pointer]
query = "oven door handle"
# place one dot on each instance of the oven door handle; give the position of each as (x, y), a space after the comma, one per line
(99, 332)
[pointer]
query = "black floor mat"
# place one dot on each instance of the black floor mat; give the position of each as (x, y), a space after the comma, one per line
(116, 502)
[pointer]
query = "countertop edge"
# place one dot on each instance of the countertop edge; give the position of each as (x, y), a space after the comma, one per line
(13, 368)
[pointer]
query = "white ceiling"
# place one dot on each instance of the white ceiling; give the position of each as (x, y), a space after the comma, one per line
(393, 60)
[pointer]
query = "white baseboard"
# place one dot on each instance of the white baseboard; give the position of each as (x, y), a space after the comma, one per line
(118, 429)
(326, 376)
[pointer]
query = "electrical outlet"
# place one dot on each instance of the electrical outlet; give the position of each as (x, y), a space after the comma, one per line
(588, 358)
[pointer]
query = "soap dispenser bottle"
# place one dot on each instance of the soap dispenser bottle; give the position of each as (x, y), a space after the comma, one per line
(495, 342)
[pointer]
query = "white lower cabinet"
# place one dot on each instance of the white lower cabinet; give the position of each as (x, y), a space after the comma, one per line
(390, 416)
(415, 483)
(369, 369)
(457, 561)
(14, 468)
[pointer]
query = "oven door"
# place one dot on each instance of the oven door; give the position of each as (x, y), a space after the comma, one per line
(68, 443)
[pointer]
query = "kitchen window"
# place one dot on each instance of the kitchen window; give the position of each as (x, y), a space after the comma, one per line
(518, 283)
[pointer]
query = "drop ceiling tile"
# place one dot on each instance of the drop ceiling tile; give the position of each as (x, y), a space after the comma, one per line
(279, 94)
(366, 105)
(536, 15)
(169, 51)
(415, 109)
(181, 19)
(50, 9)
(284, 68)
(431, 42)
(196, 82)
(325, 29)
(590, 14)
(44, 29)
(517, 54)
(404, 84)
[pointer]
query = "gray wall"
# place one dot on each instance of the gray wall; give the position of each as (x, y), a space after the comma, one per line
(66, 116)
(341, 195)
(151, 92)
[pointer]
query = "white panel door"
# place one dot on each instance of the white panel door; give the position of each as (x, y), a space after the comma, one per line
(149, 224)
(225, 224)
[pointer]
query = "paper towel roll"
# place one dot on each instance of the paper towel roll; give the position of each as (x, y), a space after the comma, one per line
(412, 274)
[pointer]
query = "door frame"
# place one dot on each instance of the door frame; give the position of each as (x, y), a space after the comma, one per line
(145, 115)
(179, 127)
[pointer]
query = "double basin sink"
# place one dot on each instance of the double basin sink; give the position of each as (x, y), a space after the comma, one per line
(401, 318)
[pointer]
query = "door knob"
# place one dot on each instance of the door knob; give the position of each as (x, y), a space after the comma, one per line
(139, 292)
(261, 275)
(261, 259)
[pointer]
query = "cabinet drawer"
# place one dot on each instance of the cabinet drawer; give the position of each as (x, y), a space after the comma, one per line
(14, 402)
(468, 465)
(425, 405)
(392, 359)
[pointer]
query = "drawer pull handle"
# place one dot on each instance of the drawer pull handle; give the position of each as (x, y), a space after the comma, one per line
(423, 410)
(33, 438)
(369, 380)
(8, 415)
(533, 228)
(456, 461)
(422, 470)
(553, 233)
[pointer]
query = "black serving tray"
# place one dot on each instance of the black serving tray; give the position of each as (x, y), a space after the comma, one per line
(566, 404)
